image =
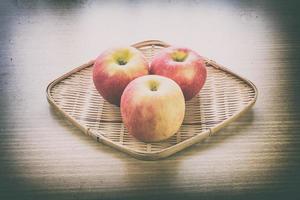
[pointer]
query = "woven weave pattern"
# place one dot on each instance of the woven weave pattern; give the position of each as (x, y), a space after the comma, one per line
(222, 96)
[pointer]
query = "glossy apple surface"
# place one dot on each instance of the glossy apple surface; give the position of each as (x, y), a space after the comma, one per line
(184, 66)
(152, 108)
(115, 68)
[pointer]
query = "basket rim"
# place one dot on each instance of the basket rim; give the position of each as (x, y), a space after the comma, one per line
(98, 135)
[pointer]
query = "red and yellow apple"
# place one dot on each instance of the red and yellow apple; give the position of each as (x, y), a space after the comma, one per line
(184, 66)
(152, 108)
(115, 68)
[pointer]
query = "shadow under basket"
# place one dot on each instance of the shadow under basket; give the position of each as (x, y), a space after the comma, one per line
(224, 97)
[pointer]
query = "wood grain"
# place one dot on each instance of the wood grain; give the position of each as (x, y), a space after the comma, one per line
(42, 156)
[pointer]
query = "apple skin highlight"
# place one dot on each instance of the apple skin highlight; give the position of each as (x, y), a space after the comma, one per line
(115, 68)
(152, 108)
(185, 66)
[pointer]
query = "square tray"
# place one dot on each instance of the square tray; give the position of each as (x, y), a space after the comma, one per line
(224, 97)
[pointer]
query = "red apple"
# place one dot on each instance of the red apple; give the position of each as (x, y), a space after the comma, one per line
(152, 108)
(115, 68)
(184, 66)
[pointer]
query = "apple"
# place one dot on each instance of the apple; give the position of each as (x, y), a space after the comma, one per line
(152, 108)
(115, 68)
(184, 66)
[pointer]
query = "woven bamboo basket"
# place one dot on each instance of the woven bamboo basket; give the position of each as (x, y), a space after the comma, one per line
(224, 97)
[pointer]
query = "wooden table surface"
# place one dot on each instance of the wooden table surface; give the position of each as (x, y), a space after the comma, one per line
(42, 156)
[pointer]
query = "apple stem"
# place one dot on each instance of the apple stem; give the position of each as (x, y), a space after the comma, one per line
(153, 86)
(122, 61)
(179, 56)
